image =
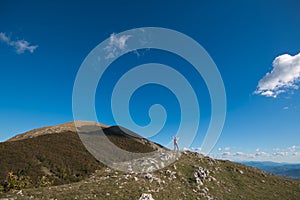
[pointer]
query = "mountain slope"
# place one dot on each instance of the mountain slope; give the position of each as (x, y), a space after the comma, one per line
(57, 154)
(54, 164)
(193, 176)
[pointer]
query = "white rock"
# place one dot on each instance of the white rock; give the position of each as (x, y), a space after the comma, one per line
(20, 193)
(148, 176)
(174, 166)
(127, 176)
(146, 196)
(198, 181)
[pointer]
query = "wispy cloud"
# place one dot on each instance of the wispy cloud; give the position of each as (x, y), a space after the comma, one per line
(276, 154)
(20, 45)
(224, 149)
(235, 155)
(296, 154)
(227, 148)
(294, 148)
(115, 45)
(282, 153)
(276, 149)
(284, 76)
(262, 153)
(196, 148)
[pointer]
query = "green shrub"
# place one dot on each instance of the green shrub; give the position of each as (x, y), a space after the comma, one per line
(14, 182)
(44, 182)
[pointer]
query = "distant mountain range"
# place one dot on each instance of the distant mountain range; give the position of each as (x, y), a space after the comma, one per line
(52, 163)
(280, 169)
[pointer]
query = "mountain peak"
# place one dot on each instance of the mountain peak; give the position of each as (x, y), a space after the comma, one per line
(69, 126)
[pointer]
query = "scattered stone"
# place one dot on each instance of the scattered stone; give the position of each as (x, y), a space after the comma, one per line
(198, 181)
(146, 196)
(20, 193)
(213, 178)
(211, 161)
(108, 170)
(104, 178)
(148, 176)
(172, 175)
(201, 173)
(127, 176)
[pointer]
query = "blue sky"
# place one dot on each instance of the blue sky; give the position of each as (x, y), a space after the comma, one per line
(44, 43)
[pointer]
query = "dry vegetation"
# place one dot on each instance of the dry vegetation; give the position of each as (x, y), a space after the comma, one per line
(58, 166)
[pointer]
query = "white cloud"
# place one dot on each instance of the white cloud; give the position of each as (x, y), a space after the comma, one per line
(235, 155)
(281, 153)
(276, 149)
(226, 148)
(245, 156)
(20, 45)
(197, 149)
(186, 149)
(263, 154)
(296, 154)
(115, 45)
(4, 38)
(289, 154)
(225, 154)
(239, 154)
(293, 148)
(284, 76)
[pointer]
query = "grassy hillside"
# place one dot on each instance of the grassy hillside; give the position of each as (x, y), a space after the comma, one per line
(61, 158)
(52, 163)
(55, 158)
(193, 176)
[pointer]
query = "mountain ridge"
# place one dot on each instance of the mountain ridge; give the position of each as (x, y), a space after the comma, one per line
(58, 166)
(288, 170)
(68, 126)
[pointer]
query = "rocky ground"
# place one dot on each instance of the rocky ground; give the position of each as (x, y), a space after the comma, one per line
(191, 176)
